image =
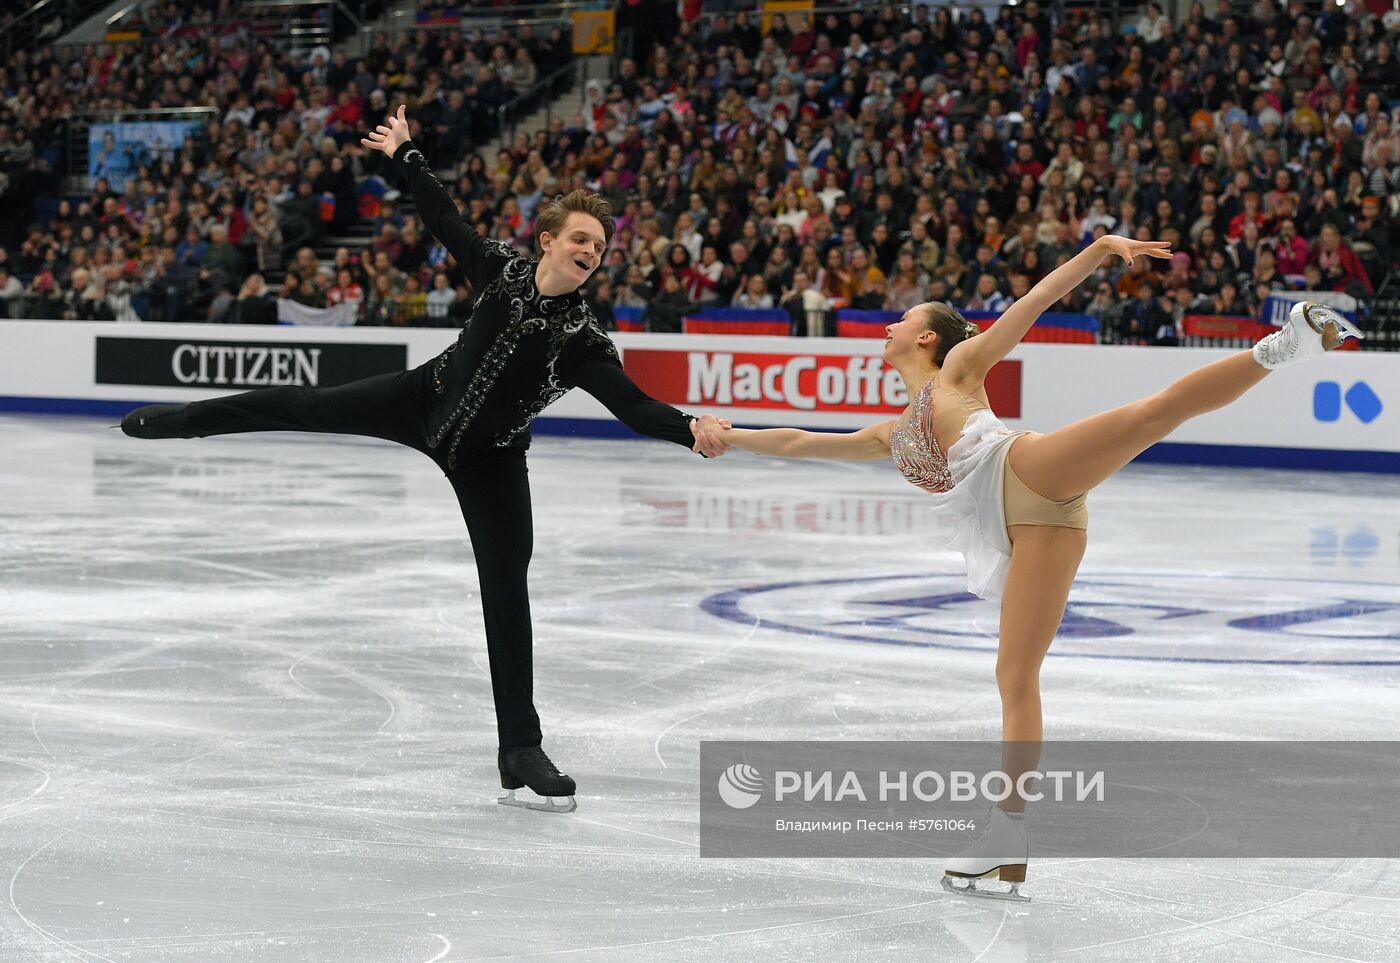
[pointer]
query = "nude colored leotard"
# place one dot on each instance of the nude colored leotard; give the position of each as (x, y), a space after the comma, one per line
(941, 411)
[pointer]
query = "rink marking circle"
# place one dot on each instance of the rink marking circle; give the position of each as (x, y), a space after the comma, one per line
(1104, 606)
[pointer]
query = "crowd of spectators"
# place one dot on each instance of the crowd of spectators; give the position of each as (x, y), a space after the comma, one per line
(878, 160)
(275, 166)
(867, 159)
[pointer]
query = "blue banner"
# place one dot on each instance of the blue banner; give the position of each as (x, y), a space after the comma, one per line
(118, 151)
(1275, 308)
(740, 314)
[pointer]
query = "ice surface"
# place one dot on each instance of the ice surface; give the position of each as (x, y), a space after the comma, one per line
(246, 703)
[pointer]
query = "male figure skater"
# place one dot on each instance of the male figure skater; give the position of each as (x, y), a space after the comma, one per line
(531, 338)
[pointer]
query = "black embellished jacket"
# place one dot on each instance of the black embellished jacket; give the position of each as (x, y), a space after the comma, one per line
(520, 351)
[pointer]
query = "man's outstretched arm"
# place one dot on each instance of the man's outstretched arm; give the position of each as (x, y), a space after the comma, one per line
(479, 258)
(604, 379)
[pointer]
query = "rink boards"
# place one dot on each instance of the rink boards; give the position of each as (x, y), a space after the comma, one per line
(1341, 413)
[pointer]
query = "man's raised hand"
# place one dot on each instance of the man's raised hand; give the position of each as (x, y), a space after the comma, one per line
(390, 135)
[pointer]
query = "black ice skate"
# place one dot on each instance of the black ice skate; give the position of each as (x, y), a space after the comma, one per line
(528, 766)
(155, 421)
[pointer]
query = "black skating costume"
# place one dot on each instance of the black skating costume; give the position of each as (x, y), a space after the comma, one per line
(469, 409)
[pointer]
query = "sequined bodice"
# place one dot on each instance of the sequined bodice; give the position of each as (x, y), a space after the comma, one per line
(915, 449)
(914, 443)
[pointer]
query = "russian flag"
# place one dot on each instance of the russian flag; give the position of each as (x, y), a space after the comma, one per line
(854, 323)
(738, 321)
(1053, 327)
(629, 319)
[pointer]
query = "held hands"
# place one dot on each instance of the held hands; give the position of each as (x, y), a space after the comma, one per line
(390, 135)
(1127, 249)
(707, 430)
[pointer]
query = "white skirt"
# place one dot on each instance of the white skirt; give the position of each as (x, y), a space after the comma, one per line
(975, 507)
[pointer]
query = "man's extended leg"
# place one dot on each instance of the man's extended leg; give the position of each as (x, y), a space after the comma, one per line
(384, 406)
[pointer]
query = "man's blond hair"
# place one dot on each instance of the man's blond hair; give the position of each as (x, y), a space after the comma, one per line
(552, 215)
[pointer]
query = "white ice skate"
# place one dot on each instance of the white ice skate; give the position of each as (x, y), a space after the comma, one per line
(1000, 851)
(1311, 331)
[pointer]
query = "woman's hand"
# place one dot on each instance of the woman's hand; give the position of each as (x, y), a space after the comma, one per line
(390, 135)
(1127, 249)
(706, 430)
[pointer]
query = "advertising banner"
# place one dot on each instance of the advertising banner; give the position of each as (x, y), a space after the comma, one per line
(117, 151)
(1342, 412)
(172, 362)
(801, 382)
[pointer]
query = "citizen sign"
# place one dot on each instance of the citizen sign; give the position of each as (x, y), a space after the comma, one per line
(210, 364)
(241, 364)
(792, 382)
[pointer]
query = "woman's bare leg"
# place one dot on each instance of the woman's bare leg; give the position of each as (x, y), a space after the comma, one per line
(1043, 563)
(1077, 457)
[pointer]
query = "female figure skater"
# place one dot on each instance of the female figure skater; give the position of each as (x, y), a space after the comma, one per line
(1019, 497)
(530, 339)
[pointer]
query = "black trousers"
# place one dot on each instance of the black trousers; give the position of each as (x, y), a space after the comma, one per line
(493, 490)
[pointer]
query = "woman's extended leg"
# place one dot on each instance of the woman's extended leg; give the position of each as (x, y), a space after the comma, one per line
(1075, 458)
(1043, 564)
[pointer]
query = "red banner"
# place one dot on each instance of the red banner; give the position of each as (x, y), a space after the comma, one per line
(1224, 326)
(792, 382)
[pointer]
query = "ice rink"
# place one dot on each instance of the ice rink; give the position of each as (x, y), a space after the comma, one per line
(246, 708)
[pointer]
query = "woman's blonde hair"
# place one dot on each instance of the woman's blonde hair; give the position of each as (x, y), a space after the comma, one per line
(553, 214)
(950, 326)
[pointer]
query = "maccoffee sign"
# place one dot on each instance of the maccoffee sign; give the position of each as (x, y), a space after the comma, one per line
(793, 382)
(172, 362)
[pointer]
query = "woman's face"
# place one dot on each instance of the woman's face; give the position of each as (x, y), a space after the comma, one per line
(909, 334)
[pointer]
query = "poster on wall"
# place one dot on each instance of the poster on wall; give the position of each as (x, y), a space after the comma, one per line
(118, 151)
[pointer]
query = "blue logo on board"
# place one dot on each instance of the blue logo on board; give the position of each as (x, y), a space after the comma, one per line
(1129, 616)
(1361, 398)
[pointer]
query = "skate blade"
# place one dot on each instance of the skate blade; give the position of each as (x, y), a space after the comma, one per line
(969, 888)
(544, 804)
(1331, 325)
